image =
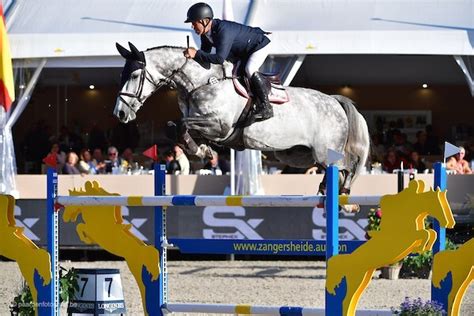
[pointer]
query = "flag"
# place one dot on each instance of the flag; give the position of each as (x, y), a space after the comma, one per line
(51, 160)
(152, 152)
(7, 85)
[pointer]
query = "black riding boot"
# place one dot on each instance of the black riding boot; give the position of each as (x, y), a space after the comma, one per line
(259, 86)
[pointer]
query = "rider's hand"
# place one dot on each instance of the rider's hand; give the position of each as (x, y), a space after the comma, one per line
(189, 52)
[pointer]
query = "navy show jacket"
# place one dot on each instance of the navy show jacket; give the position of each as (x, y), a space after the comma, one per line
(233, 41)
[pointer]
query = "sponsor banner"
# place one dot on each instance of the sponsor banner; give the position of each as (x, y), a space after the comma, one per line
(205, 222)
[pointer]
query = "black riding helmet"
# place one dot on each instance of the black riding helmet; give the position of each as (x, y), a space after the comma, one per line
(199, 11)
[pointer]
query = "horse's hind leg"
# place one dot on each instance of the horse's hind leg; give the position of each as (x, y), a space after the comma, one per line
(322, 185)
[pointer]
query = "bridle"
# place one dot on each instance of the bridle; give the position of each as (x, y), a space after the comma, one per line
(145, 75)
(167, 81)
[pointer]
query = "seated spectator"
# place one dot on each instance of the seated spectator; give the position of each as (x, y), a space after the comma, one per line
(401, 145)
(70, 167)
(415, 162)
(57, 154)
(127, 155)
(213, 164)
(182, 159)
(87, 165)
(392, 161)
(172, 165)
(458, 164)
(114, 163)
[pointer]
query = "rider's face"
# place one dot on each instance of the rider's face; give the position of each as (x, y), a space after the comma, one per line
(198, 27)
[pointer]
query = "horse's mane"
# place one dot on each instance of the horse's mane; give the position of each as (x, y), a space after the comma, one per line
(165, 46)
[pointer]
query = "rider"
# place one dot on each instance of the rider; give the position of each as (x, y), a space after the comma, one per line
(233, 42)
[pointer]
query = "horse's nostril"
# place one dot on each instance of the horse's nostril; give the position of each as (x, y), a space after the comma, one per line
(121, 115)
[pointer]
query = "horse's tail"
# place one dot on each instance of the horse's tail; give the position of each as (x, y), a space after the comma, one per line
(358, 140)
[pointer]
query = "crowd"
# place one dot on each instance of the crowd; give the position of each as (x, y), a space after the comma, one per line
(393, 151)
(114, 152)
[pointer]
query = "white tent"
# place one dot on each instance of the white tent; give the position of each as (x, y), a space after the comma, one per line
(86, 31)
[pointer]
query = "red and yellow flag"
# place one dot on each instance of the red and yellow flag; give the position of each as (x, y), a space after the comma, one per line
(7, 84)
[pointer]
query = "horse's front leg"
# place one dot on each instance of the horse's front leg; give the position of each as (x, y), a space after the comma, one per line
(202, 150)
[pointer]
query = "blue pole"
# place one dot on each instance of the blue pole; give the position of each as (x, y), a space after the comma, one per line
(332, 230)
(332, 212)
(52, 244)
(160, 236)
(440, 180)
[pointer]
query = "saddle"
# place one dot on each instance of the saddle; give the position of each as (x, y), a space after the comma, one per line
(277, 92)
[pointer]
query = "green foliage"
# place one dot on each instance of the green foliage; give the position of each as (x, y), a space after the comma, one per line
(419, 265)
(22, 304)
(67, 284)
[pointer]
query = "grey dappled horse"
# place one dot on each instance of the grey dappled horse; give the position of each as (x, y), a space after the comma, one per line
(300, 133)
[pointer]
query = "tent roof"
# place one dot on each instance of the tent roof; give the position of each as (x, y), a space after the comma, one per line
(85, 32)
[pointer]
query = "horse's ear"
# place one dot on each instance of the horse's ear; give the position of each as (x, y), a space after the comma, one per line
(137, 55)
(123, 51)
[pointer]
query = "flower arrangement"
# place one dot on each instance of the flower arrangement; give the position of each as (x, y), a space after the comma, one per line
(375, 217)
(419, 308)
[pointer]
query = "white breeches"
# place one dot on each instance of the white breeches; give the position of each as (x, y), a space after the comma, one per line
(257, 59)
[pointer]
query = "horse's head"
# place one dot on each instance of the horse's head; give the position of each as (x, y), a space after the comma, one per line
(434, 202)
(136, 85)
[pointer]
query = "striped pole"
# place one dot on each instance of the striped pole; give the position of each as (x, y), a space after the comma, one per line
(218, 200)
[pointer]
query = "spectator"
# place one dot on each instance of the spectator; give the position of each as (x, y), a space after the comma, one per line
(415, 162)
(114, 163)
(70, 167)
(58, 155)
(127, 155)
(172, 165)
(87, 165)
(182, 159)
(98, 158)
(392, 161)
(401, 145)
(458, 164)
(420, 145)
(213, 164)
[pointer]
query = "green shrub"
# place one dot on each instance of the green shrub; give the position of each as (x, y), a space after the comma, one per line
(22, 304)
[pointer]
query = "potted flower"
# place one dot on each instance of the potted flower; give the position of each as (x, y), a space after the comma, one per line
(419, 308)
(392, 271)
(419, 265)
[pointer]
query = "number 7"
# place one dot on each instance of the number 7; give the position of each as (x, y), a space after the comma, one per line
(110, 284)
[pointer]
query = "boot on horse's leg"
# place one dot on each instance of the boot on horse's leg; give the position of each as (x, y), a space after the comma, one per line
(259, 87)
(344, 189)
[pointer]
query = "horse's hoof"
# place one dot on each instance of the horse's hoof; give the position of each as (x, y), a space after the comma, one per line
(351, 208)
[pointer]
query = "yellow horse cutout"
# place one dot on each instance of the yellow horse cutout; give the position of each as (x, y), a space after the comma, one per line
(103, 225)
(34, 262)
(402, 231)
(453, 271)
